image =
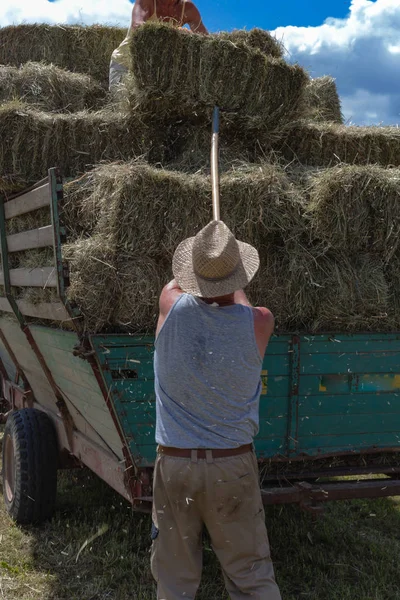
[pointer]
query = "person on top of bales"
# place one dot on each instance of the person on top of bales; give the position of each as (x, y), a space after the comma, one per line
(176, 12)
(209, 349)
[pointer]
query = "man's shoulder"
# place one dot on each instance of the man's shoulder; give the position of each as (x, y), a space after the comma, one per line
(264, 321)
(263, 314)
(169, 295)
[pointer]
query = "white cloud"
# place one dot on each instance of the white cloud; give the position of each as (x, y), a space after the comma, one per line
(362, 52)
(116, 12)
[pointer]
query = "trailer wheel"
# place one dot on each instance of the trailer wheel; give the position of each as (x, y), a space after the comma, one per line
(30, 461)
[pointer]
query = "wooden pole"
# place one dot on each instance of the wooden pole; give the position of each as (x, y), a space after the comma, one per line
(214, 164)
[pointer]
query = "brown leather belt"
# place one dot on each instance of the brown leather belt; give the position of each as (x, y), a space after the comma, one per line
(202, 452)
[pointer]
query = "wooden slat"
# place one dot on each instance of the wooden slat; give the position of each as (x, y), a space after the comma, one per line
(43, 277)
(54, 311)
(34, 238)
(33, 200)
(30, 188)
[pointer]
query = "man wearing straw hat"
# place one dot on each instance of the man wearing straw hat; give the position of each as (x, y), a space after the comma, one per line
(209, 350)
(177, 12)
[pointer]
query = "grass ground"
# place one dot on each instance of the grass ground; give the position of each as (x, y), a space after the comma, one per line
(351, 553)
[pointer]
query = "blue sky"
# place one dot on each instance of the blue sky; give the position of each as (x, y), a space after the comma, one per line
(355, 41)
(235, 14)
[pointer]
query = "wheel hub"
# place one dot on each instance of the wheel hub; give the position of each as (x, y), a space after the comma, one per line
(9, 469)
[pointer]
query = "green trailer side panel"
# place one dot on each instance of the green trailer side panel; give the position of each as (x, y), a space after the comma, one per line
(127, 365)
(349, 394)
(321, 394)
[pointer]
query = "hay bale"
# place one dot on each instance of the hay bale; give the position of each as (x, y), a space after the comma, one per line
(321, 100)
(31, 141)
(76, 48)
(257, 39)
(329, 144)
(357, 209)
(94, 281)
(186, 75)
(81, 209)
(151, 210)
(331, 291)
(50, 88)
(126, 294)
(269, 287)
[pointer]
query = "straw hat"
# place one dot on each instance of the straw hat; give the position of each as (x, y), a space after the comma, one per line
(214, 263)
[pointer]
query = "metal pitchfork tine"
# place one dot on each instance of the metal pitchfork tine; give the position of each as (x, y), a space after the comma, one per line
(214, 164)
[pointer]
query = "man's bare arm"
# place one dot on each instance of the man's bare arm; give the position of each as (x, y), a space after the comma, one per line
(141, 12)
(193, 18)
(167, 299)
(264, 324)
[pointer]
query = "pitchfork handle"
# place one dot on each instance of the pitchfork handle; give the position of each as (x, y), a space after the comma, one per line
(214, 164)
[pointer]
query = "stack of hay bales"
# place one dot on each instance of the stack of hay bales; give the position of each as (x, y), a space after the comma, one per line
(78, 49)
(296, 183)
(54, 104)
(141, 214)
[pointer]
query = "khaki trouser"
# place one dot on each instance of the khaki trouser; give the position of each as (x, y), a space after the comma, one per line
(224, 495)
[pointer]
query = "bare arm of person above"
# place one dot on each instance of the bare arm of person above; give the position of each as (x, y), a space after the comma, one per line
(193, 18)
(264, 321)
(167, 299)
(178, 12)
(141, 12)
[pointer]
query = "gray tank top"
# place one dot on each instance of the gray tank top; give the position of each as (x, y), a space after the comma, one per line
(207, 376)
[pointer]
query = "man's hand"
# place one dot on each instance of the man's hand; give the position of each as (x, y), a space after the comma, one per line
(168, 298)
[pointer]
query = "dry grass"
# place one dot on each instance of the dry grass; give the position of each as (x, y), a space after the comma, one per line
(33, 141)
(332, 291)
(256, 39)
(350, 553)
(79, 49)
(321, 100)
(186, 75)
(50, 88)
(114, 292)
(312, 290)
(329, 144)
(357, 209)
(10, 185)
(143, 209)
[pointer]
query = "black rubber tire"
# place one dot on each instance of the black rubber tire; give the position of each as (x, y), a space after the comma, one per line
(30, 435)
